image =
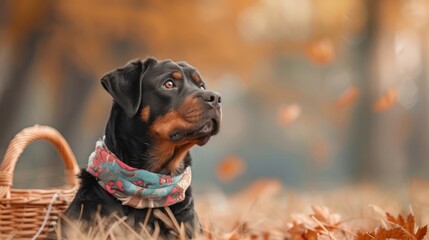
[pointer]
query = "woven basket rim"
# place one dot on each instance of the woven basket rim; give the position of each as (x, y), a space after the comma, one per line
(21, 141)
(65, 187)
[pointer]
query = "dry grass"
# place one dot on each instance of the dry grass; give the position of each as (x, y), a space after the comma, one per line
(265, 210)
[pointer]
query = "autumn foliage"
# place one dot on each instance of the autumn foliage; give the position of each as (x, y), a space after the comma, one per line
(321, 224)
(396, 228)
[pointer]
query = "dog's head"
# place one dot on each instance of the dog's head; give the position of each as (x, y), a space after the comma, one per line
(169, 99)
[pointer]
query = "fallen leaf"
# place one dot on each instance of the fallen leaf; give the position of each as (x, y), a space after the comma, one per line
(398, 228)
(325, 216)
(421, 233)
(320, 221)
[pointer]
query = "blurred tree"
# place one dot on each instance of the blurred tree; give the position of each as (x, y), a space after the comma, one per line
(279, 52)
(22, 34)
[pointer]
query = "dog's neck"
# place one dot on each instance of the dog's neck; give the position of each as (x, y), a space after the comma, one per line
(130, 141)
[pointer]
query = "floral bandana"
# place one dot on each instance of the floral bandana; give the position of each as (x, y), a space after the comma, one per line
(134, 187)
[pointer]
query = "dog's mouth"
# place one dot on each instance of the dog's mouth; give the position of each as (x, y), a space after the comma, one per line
(201, 133)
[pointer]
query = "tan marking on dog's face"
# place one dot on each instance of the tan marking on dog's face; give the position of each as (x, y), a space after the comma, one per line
(188, 114)
(191, 110)
(145, 113)
(177, 75)
(168, 156)
(162, 127)
(196, 77)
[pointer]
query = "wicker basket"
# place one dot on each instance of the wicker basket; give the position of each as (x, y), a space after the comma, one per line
(32, 213)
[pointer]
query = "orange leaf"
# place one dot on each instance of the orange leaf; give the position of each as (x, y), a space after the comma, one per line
(407, 225)
(400, 228)
(411, 222)
(421, 233)
(364, 236)
(386, 101)
(348, 97)
(229, 168)
(289, 114)
(310, 235)
(321, 51)
(396, 233)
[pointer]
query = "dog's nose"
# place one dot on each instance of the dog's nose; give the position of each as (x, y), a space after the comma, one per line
(212, 98)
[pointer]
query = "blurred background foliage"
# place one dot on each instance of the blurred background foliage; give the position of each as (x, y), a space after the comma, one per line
(316, 94)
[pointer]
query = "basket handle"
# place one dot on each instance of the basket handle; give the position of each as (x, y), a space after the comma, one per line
(21, 141)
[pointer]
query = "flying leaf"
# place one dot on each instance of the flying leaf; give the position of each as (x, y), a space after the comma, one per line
(347, 98)
(229, 168)
(289, 114)
(321, 51)
(385, 101)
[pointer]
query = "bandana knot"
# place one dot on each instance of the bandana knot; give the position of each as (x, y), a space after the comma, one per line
(134, 187)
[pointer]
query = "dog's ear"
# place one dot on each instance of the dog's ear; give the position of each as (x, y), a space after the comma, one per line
(125, 84)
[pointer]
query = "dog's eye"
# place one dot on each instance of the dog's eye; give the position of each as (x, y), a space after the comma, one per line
(169, 85)
(203, 87)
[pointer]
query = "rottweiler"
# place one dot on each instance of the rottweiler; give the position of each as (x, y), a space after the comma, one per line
(160, 110)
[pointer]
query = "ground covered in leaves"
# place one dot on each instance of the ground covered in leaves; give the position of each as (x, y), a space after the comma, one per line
(268, 210)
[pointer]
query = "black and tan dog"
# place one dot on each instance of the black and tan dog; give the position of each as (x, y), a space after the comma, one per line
(160, 110)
